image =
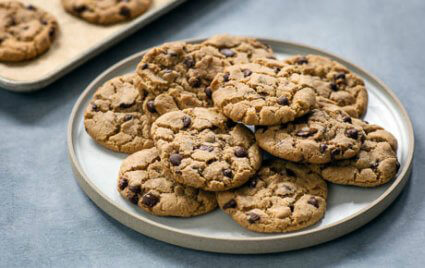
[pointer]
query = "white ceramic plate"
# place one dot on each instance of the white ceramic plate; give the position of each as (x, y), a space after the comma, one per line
(96, 170)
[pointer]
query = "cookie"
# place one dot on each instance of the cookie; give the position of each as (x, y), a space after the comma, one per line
(143, 182)
(106, 12)
(26, 31)
(330, 80)
(238, 49)
(375, 164)
(179, 74)
(318, 137)
(203, 149)
(118, 117)
(281, 197)
(257, 94)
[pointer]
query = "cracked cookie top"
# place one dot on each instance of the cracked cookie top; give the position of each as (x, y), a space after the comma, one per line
(318, 137)
(281, 197)
(118, 117)
(375, 164)
(258, 94)
(330, 80)
(26, 31)
(179, 74)
(106, 12)
(201, 148)
(142, 181)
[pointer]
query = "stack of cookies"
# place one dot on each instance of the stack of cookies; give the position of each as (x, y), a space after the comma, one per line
(187, 118)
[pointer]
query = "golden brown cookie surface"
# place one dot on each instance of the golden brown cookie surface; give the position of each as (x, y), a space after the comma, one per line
(26, 31)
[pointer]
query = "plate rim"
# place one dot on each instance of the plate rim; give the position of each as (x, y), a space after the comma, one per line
(110, 207)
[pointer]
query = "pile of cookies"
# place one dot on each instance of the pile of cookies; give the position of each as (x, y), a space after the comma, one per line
(27, 31)
(198, 119)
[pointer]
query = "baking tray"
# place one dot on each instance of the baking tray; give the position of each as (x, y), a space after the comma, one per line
(96, 170)
(77, 42)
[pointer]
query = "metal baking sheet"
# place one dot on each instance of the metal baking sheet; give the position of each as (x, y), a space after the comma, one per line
(96, 170)
(77, 42)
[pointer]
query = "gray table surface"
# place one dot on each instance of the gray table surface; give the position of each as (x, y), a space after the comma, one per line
(46, 219)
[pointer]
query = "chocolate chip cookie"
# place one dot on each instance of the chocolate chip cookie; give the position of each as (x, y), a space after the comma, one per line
(203, 149)
(26, 31)
(330, 80)
(318, 137)
(281, 197)
(257, 94)
(179, 74)
(106, 12)
(118, 118)
(375, 164)
(143, 182)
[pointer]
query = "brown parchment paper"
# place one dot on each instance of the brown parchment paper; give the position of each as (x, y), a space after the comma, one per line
(75, 40)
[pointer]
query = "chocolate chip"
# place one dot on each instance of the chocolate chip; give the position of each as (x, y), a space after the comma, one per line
(253, 217)
(196, 83)
(375, 165)
(145, 66)
(283, 101)
(290, 173)
(189, 62)
(150, 200)
(124, 105)
(305, 132)
(208, 92)
(31, 7)
(207, 148)
(347, 119)
(272, 57)
(241, 152)
(128, 117)
(323, 148)
(94, 107)
(135, 189)
(125, 12)
(209, 162)
(227, 52)
(362, 138)
(134, 199)
(43, 21)
(228, 172)
(151, 106)
(335, 152)
(291, 207)
(301, 60)
(52, 32)
(186, 121)
(122, 183)
(246, 72)
(352, 133)
(226, 77)
(230, 204)
(252, 182)
(230, 123)
(176, 159)
(314, 202)
(277, 70)
(340, 76)
(334, 86)
(79, 9)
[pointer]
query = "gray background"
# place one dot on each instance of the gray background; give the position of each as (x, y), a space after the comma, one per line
(46, 220)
